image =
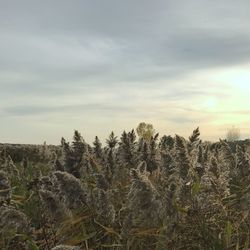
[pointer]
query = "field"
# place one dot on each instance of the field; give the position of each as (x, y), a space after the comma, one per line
(133, 192)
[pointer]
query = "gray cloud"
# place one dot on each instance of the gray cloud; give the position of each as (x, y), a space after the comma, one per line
(65, 109)
(118, 40)
(116, 57)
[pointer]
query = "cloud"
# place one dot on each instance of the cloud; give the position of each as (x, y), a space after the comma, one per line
(64, 109)
(122, 61)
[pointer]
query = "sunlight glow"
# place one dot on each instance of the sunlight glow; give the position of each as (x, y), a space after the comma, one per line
(210, 103)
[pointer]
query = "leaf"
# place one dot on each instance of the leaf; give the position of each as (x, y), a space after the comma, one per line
(246, 243)
(160, 247)
(228, 234)
(238, 244)
(5, 190)
(111, 245)
(77, 239)
(32, 245)
(196, 187)
(109, 230)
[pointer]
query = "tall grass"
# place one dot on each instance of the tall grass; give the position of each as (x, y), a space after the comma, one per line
(152, 193)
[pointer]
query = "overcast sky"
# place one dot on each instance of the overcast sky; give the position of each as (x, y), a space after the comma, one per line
(98, 66)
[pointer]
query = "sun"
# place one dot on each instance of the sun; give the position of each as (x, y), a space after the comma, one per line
(210, 103)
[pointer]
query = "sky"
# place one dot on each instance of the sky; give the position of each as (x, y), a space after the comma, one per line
(97, 66)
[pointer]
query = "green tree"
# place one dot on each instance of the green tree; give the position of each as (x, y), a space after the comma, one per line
(145, 131)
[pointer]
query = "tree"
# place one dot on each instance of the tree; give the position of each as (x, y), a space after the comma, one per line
(233, 134)
(145, 131)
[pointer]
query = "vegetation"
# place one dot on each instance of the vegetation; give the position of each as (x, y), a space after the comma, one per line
(233, 134)
(150, 193)
(145, 131)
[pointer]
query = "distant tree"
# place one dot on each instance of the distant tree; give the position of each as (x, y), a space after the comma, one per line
(233, 134)
(145, 131)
